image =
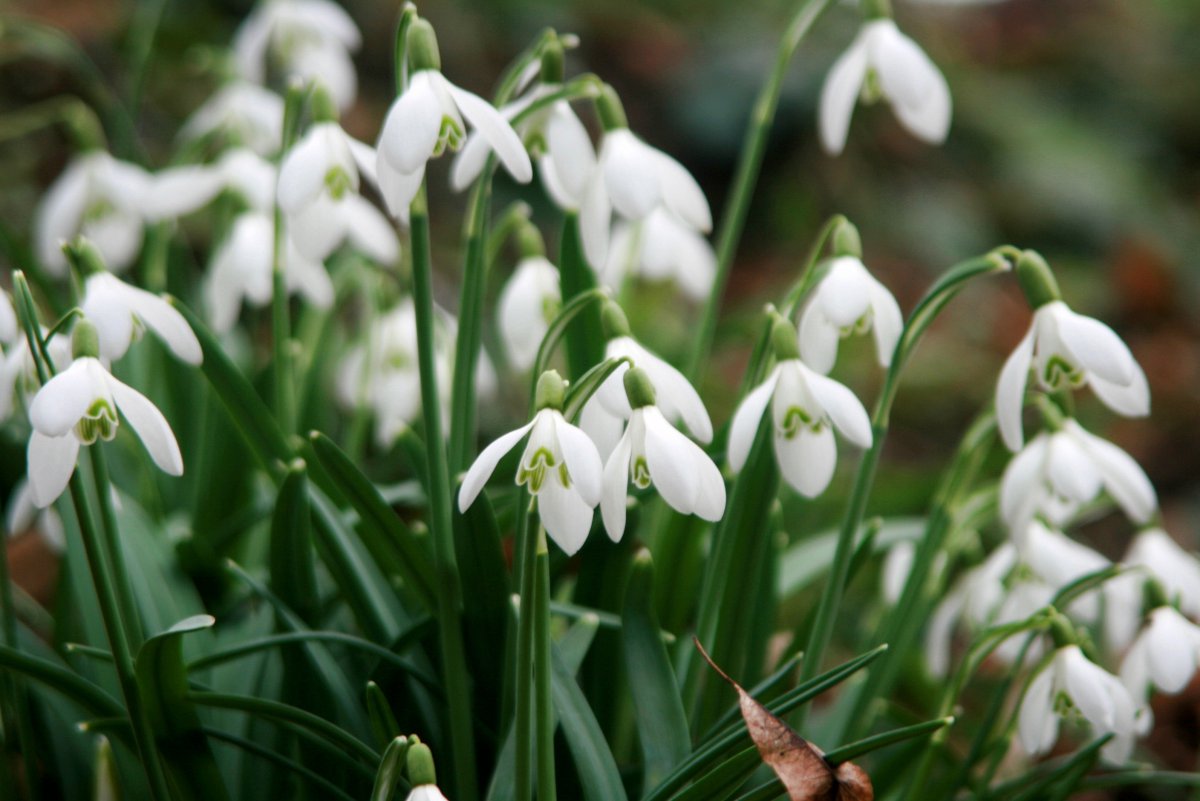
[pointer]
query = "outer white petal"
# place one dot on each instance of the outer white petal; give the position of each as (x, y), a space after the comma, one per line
(330, 65)
(710, 503)
(818, 339)
(615, 490)
(118, 237)
(1124, 479)
(165, 320)
(807, 460)
(583, 461)
(1171, 650)
(845, 293)
(488, 120)
(9, 330)
(60, 213)
(309, 278)
(318, 227)
(595, 217)
(411, 128)
(676, 396)
(469, 162)
(570, 150)
(840, 93)
(672, 459)
(302, 174)
(940, 631)
(1084, 684)
(1095, 346)
(1010, 392)
(602, 427)
(177, 191)
(844, 408)
(64, 399)
(365, 157)
(369, 231)
(566, 516)
(51, 463)
(150, 425)
(399, 189)
(558, 192)
(1037, 725)
(1130, 400)
(888, 322)
(108, 309)
(629, 171)
(746, 420)
(481, 470)
(682, 194)
(913, 83)
(1070, 469)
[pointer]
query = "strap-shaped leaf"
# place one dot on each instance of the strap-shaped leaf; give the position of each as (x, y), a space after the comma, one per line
(594, 762)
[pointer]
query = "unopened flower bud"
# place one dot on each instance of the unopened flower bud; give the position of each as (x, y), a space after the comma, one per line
(638, 388)
(420, 765)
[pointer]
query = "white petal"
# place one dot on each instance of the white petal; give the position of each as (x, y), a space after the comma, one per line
(369, 231)
(9, 330)
(1130, 400)
(887, 323)
(746, 421)
(118, 237)
(940, 632)
(913, 83)
(1037, 725)
(818, 339)
(469, 162)
(676, 396)
(616, 485)
(51, 463)
(150, 425)
(844, 408)
(317, 227)
(710, 502)
(59, 215)
(1171, 655)
(1010, 392)
(807, 460)
(165, 320)
(309, 278)
(601, 426)
(399, 189)
(682, 194)
(1124, 479)
(65, 398)
(481, 470)
(1096, 347)
(1070, 469)
(595, 217)
(583, 461)
(845, 293)
(840, 93)
(302, 174)
(488, 120)
(629, 174)
(570, 150)
(566, 516)
(178, 191)
(1083, 683)
(411, 129)
(672, 459)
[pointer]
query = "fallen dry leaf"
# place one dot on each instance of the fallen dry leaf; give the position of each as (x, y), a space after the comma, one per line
(800, 765)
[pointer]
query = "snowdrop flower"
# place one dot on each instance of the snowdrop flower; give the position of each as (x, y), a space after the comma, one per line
(976, 596)
(608, 408)
(1058, 472)
(23, 515)
(1065, 349)
(18, 373)
(1152, 554)
(805, 408)
(426, 792)
(652, 451)
(560, 466)
(178, 191)
(121, 312)
(661, 248)
(528, 303)
(1165, 655)
(1058, 560)
(246, 113)
(241, 268)
(427, 118)
(1073, 685)
(319, 194)
(849, 300)
(882, 61)
(102, 199)
(79, 406)
(9, 330)
(309, 39)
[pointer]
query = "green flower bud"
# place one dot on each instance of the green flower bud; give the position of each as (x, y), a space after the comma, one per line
(551, 390)
(85, 342)
(420, 765)
(423, 53)
(613, 320)
(1036, 279)
(638, 388)
(609, 108)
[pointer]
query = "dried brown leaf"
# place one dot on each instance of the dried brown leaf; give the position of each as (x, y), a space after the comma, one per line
(800, 765)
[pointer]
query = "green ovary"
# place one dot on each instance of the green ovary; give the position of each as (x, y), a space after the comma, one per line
(100, 422)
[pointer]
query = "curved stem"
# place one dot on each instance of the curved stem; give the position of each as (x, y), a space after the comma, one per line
(750, 161)
(543, 704)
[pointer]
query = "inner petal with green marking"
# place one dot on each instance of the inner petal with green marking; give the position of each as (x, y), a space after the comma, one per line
(100, 422)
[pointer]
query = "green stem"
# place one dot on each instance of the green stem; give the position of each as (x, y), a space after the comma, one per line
(113, 550)
(922, 316)
(441, 527)
(14, 700)
(750, 161)
(543, 704)
(526, 563)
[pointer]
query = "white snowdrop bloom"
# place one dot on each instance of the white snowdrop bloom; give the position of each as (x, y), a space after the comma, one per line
(23, 515)
(528, 303)
(560, 466)
(1152, 554)
(652, 451)
(661, 248)
(99, 197)
(633, 179)
(976, 596)
(79, 406)
(18, 373)
(1065, 349)
(304, 38)
(849, 300)
(1165, 656)
(241, 268)
(1059, 560)
(882, 61)
(121, 312)
(319, 194)
(608, 408)
(1072, 685)
(9, 329)
(246, 113)
(805, 409)
(1025, 595)
(178, 191)
(1057, 472)
(427, 119)
(426, 792)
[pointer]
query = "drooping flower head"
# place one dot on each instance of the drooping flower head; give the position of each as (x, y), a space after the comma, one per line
(661, 248)
(428, 118)
(244, 113)
(652, 451)
(559, 465)
(805, 409)
(882, 62)
(1153, 555)
(1165, 656)
(80, 406)
(528, 304)
(1065, 350)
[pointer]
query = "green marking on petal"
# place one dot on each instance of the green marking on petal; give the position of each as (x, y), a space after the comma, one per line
(797, 419)
(100, 422)
(533, 472)
(450, 136)
(1059, 373)
(338, 182)
(639, 472)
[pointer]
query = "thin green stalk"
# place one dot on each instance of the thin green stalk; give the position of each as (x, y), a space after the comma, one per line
(113, 550)
(750, 161)
(922, 316)
(13, 698)
(523, 675)
(543, 704)
(441, 527)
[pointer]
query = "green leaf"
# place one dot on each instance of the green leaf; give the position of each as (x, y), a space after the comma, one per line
(662, 724)
(584, 387)
(383, 722)
(388, 778)
(61, 679)
(384, 534)
(291, 557)
(807, 560)
(598, 772)
(292, 765)
(585, 340)
(162, 683)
